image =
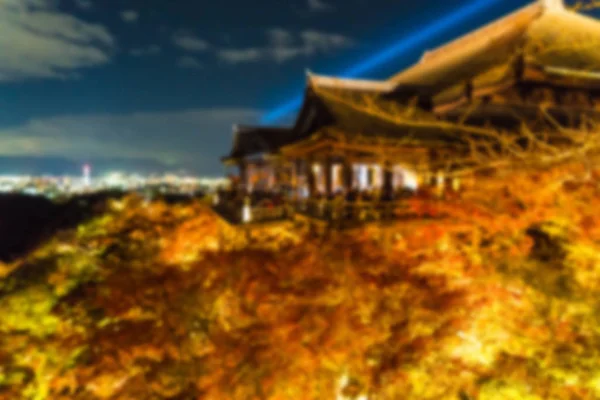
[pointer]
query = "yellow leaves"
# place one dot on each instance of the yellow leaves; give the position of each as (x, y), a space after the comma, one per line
(508, 390)
(559, 227)
(29, 310)
(594, 383)
(584, 261)
(107, 385)
(171, 293)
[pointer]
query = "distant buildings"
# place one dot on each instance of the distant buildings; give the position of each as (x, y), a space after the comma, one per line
(65, 186)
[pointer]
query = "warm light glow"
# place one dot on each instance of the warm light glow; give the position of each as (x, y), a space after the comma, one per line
(440, 179)
(377, 176)
(338, 183)
(404, 178)
(342, 383)
(456, 184)
(411, 180)
(246, 214)
(363, 177)
(246, 211)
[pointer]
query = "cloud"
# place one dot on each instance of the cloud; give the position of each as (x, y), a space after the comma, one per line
(189, 42)
(130, 16)
(151, 50)
(315, 41)
(280, 37)
(84, 4)
(39, 41)
(189, 62)
(235, 56)
(194, 138)
(283, 46)
(319, 5)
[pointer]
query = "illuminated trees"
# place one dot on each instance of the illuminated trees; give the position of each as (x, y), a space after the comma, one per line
(496, 300)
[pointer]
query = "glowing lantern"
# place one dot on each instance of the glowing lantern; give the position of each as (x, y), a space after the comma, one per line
(246, 211)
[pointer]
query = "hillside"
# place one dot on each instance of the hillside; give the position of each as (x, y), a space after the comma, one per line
(499, 300)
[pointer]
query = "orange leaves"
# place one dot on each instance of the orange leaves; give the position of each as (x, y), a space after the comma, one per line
(230, 313)
(157, 301)
(194, 236)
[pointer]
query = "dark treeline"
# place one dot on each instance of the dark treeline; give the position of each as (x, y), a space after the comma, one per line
(27, 221)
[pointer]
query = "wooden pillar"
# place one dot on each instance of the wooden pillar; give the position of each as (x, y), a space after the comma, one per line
(310, 177)
(348, 175)
(453, 181)
(421, 179)
(301, 177)
(275, 176)
(430, 179)
(295, 175)
(388, 180)
(244, 178)
(328, 171)
(433, 161)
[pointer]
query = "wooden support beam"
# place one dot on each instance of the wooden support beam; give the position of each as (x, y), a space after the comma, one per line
(295, 175)
(388, 180)
(244, 177)
(310, 177)
(348, 175)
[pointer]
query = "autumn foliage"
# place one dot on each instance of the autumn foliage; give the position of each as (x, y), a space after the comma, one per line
(496, 300)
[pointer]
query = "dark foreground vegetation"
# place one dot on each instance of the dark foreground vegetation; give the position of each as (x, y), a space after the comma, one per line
(27, 221)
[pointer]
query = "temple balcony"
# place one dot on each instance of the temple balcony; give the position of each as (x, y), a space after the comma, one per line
(342, 212)
(255, 208)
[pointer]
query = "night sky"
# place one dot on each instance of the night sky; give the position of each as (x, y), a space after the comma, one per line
(163, 80)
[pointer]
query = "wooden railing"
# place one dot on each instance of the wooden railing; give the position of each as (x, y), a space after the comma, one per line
(360, 211)
(338, 210)
(270, 213)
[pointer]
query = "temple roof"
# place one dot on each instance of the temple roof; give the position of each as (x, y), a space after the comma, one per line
(543, 42)
(557, 45)
(360, 85)
(363, 118)
(544, 34)
(255, 140)
(562, 46)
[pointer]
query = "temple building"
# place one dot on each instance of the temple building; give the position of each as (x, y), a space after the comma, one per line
(537, 69)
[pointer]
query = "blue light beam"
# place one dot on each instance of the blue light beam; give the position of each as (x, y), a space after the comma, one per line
(389, 53)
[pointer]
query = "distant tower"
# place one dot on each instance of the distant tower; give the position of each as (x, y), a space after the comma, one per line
(87, 175)
(553, 4)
